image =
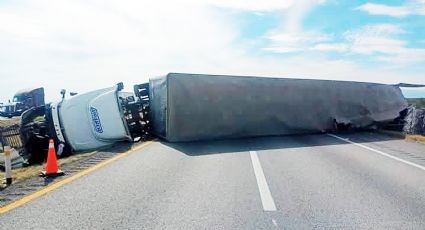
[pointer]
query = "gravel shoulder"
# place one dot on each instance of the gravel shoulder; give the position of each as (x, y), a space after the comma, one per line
(26, 180)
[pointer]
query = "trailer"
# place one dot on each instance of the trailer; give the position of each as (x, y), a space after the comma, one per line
(189, 107)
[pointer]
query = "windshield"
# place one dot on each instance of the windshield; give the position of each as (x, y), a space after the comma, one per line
(18, 99)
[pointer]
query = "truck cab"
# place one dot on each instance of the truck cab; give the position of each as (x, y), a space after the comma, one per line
(22, 101)
(87, 121)
(91, 120)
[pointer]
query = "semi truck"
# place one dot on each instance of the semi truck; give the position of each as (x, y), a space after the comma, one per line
(22, 101)
(183, 107)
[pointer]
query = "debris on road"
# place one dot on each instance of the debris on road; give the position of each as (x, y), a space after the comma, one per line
(415, 121)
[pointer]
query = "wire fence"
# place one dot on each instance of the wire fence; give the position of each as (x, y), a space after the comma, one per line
(10, 136)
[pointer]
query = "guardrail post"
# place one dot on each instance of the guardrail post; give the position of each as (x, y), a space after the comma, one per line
(8, 164)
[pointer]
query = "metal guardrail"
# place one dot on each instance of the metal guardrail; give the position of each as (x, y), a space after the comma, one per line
(10, 136)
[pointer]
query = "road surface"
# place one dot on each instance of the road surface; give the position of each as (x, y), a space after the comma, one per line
(293, 182)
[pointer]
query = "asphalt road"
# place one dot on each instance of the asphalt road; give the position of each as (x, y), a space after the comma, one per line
(293, 182)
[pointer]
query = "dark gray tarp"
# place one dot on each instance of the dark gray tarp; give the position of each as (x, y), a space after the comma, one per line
(186, 107)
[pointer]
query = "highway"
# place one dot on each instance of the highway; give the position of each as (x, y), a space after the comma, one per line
(369, 181)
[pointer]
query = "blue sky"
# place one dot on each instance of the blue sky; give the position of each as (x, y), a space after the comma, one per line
(88, 44)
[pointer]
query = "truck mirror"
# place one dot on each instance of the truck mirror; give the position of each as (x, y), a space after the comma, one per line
(120, 86)
(63, 92)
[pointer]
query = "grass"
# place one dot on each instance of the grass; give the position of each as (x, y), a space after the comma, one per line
(408, 137)
(9, 122)
(21, 174)
(417, 138)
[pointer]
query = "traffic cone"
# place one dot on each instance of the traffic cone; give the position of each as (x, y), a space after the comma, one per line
(51, 167)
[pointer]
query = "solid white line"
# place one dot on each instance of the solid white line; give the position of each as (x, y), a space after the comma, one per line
(266, 196)
(274, 222)
(380, 152)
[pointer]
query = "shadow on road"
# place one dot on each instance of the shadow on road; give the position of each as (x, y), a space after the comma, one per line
(197, 148)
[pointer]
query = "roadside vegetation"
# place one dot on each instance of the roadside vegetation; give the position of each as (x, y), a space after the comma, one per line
(416, 102)
(21, 174)
(9, 122)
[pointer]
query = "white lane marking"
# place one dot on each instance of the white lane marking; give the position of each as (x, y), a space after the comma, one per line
(380, 152)
(266, 196)
(274, 222)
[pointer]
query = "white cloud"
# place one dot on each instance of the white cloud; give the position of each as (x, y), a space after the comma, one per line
(263, 5)
(87, 44)
(378, 41)
(90, 44)
(295, 42)
(290, 36)
(416, 7)
(381, 9)
(250, 5)
(381, 39)
(375, 38)
(336, 47)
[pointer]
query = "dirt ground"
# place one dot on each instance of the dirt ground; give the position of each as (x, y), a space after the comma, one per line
(21, 174)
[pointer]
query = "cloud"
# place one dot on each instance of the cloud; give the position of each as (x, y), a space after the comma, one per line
(381, 9)
(295, 41)
(250, 5)
(83, 45)
(411, 8)
(381, 40)
(377, 38)
(291, 37)
(334, 47)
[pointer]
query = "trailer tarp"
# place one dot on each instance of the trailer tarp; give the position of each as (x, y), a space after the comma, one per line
(186, 107)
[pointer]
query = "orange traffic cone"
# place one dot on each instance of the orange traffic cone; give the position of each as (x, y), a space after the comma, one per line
(51, 167)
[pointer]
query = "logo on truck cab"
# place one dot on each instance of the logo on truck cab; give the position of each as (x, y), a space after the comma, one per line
(96, 120)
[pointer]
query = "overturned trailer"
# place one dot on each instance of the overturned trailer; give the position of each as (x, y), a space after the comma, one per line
(187, 107)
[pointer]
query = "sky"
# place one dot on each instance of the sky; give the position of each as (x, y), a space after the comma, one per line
(81, 45)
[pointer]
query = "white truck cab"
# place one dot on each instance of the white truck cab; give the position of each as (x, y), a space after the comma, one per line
(87, 121)
(91, 120)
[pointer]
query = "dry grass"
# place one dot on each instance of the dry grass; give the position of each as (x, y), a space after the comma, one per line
(417, 138)
(9, 122)
(408, 137)
(21, 174)
(25, 173)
